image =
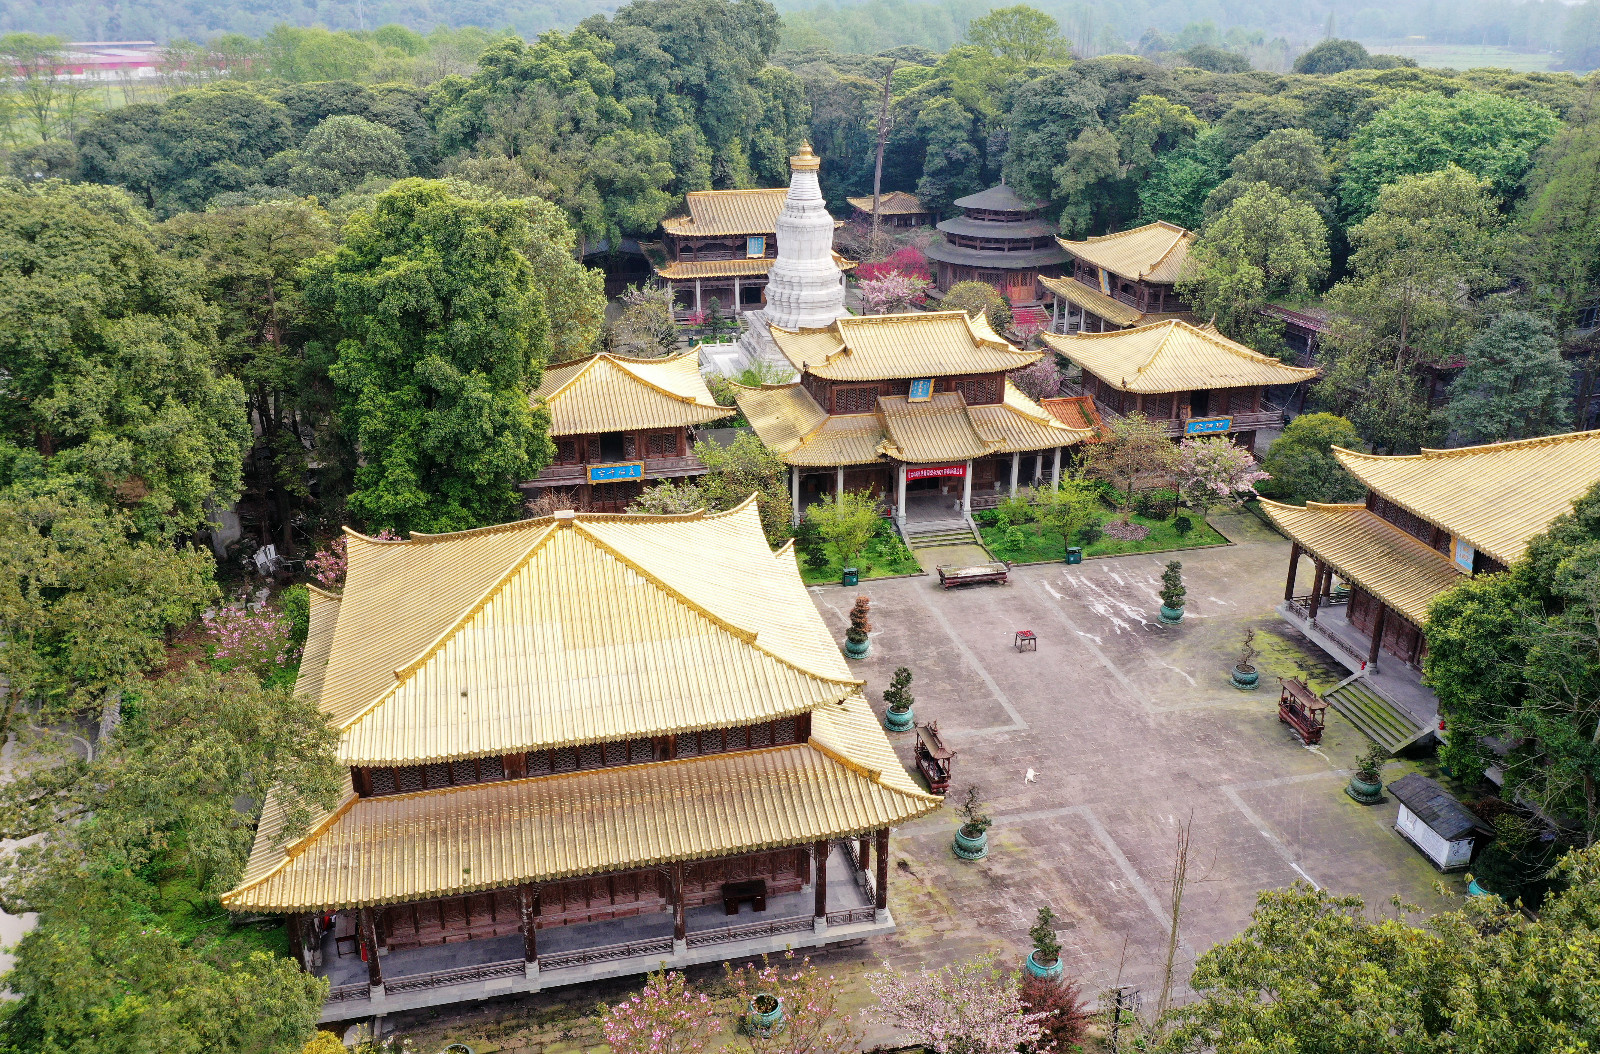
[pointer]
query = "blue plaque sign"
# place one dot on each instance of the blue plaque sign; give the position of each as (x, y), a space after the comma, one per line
(921, 390)
(626, 470)
(755, 246)
(1198, 426)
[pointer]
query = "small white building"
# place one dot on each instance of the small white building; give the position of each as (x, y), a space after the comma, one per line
(1433, 821)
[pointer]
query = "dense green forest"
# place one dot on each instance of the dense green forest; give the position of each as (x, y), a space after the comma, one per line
(314, 275)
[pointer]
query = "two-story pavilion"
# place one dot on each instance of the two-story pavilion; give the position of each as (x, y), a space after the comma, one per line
(1188, 379)
(1120, 281)
(898, 404)
(1429, 520)
(723, 249)
(621, 423)
(574, 747)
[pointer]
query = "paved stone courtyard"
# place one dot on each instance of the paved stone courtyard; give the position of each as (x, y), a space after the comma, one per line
(1133, 730)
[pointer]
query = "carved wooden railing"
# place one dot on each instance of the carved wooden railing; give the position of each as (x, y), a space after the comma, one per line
(341, 992)
(459, 975)
(750, 931)
(605, 953)
(851, 915)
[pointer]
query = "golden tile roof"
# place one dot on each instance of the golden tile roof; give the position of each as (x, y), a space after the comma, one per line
(681, 270)
(1074, 411)
(459, 840)
(894, 203)
(1370, 551)
(1107, 307)
(582, 629)
(1496, 496)
(943, 429)
(732, 212)
(937, 430)
(1172, 356)
(889, 347)
(616, 393)
(1156, 252)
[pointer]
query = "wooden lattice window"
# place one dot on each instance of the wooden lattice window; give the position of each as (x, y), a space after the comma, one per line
(978, 391)
(661, 444)
(617, 753)
(855, 400)
(688, 745)
(566, 452)
(783, 731)
(1241, 400)
(640, 751)
(1158, 407)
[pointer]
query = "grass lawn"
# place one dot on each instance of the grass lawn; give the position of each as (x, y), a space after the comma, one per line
(1037, 546)
(1470, 56)
(884, 558)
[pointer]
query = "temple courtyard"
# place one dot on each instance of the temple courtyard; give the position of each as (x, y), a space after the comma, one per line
(1132, 731)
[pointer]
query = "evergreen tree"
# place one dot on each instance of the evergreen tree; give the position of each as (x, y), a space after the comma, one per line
(1514, 384)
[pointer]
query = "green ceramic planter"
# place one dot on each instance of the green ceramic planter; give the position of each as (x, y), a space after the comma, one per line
(898, 722)
(1245, 677)
(765, 1022)
(1367, 792)
(971, 847)
(852, 650)
(1170, 616)
(1048, 973)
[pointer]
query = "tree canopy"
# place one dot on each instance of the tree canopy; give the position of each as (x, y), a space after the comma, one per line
(439, 337)
(1513, 384)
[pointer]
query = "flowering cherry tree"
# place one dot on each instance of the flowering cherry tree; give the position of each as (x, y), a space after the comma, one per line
(908, 260)
(895, 291)
(1042, 380)
(666, 1017)
(257, 641)
(810, 1000)
(966, 1008)
(329, 565)
(1214, 471)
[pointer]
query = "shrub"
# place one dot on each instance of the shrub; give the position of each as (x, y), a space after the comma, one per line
(1015, 540)
(860, 621)
(1065, 1020)
(1015, 510)
(1156, 504)
(908, 261)
(979, 297)
(1183, 525)
(1089, 535)
(986, 517)
(897, 696)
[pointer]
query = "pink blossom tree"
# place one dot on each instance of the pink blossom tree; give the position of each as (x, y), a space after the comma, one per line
(1213, 471)
(1042, 380)
(328, 565)
(666, 1017)
(965, 1008)
(908, 260)
(257, 641)
(810, 1000)
(895, 291)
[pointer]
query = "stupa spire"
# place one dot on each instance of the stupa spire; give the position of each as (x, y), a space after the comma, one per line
(805, 288)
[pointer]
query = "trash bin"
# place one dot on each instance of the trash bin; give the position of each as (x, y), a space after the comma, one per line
(850, 577)
(1074, 554)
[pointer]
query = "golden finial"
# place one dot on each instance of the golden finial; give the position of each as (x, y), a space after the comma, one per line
(805, 160)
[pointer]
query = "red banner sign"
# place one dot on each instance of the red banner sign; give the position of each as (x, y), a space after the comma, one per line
(935, 471)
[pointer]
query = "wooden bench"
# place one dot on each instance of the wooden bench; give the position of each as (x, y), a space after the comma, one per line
(972, 574)
(344, 933)
(735, 893)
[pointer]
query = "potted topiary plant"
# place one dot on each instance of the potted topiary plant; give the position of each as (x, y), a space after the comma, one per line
(1245, 675)
(1172, 594)
(1045, 959)
(856, 642)
(1366, 782)
(897, 701)
(766, 1015)
(972, 837)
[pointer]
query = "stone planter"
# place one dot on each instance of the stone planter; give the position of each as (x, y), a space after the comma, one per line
(764, 1022)
(971, 846)
(1363, 790)
(1047, 973)
(1245, 677)
(1475, 890)
(852, 650)
(1170, 616)
(898, 721)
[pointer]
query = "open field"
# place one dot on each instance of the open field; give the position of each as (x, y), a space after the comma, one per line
(1470, 56)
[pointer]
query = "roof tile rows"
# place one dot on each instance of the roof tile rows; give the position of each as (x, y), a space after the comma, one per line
(889, 347)
(729, 212)
(1172, 356)
(614, 393)
(1156, 252)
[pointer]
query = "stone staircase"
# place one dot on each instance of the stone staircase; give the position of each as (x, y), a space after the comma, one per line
(932, 534)
(1380, 720)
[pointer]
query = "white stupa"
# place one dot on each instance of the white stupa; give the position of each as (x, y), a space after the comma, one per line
(805, 288)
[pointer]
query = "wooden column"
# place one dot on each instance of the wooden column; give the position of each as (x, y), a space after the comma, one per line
(899, 491)
(680, 921)
(966, 489)
(820, 899)
(368, 922)
(1377, 632)
(794, 493)
(864, 852)
(1316, 590)
(1055, 472)
(1294, 567)
(737, 306)
(1016, 460)
(838, 489)
(297, 940)
(882, 903)
(697, 307)
(528, 897)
